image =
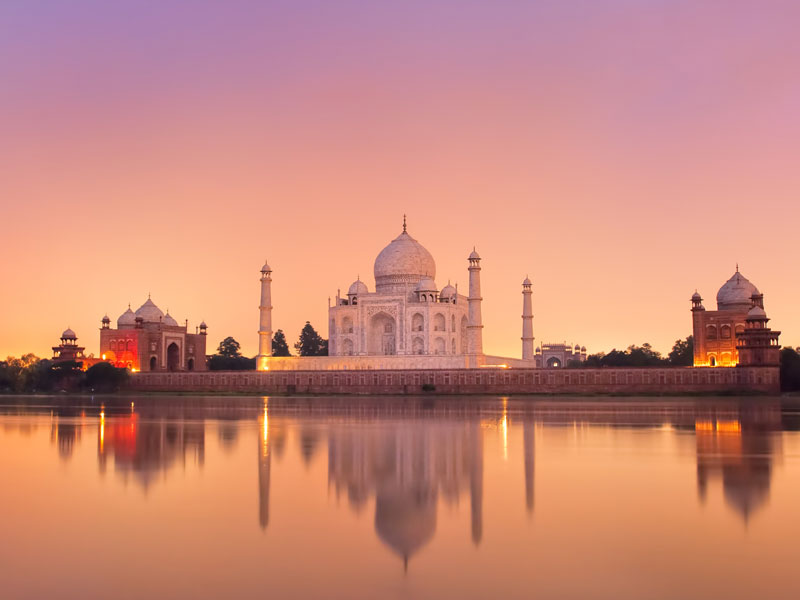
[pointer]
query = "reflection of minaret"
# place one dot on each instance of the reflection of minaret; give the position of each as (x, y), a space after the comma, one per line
(476, 484)
(527, 445)
(264, 463)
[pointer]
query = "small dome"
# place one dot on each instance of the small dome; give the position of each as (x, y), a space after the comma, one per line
(168, 320)
(266, 268)
(583, 348)
(448, 291)
(578, 347)
(106, 319)
(126, 319)
(203, 325)
(426, 284)
(756, 313)
(69, 334)
(474, 255)
(527, 281)
(357, 288)
(736, 293)
(149, 312)
(696, 297)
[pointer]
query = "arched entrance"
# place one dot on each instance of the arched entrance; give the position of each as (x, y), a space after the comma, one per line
(553, 363)
(381, 335)
(152, 363)
(173, 357)
(190, 364)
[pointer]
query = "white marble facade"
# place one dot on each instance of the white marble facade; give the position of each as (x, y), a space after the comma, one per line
(406, 322)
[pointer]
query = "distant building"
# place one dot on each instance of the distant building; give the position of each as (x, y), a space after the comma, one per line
(554, 356)
(68, 350)
(149, 340)
(735, 333)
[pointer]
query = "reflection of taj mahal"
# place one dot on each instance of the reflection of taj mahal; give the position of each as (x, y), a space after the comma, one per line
(407, 322)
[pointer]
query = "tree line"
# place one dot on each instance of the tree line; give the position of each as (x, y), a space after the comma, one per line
(229, 356)
(681, 355)
(30, 374)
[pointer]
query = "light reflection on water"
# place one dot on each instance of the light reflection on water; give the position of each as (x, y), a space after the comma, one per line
(398, 497)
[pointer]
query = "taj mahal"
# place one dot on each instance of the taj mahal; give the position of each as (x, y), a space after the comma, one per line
(407, 322)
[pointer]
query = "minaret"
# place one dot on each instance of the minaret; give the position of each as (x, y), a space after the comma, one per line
(527, 321)
(475, 322)
(265, 320)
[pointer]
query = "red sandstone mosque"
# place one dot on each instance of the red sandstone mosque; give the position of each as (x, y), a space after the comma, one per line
(150, 340)
(736, 333)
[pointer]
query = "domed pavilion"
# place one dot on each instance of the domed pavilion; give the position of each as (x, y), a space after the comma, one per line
(719, 334)
(406, 314)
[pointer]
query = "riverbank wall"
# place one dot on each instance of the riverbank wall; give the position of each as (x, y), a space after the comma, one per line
(617, 381)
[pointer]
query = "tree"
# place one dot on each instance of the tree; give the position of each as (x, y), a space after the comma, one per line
(105, 377)
(311, 343)
(229, 348)
(279, 345)
(682, 354)
(790, 370)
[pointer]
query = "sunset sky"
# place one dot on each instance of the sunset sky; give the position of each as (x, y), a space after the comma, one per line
(621, 153)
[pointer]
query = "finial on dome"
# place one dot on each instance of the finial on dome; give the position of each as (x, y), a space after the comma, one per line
(404, 223)
(737, 267)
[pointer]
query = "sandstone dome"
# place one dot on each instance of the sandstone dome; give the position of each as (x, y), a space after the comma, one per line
(149, 312)
(126, 319)
(735, 293)
(69, 334)
(403, 261)
(169, 320)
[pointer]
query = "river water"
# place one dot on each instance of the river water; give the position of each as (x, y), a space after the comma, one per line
(232, 497)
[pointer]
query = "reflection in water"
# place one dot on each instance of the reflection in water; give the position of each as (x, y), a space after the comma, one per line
(407, 465)
(739, 450)
(264, 463)
(143, 448)
(408, 459)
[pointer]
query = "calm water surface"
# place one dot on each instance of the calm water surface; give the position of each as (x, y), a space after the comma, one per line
(398, 498)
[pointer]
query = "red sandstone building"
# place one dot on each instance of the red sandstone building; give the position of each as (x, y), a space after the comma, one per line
(736, 333)
(149, 340)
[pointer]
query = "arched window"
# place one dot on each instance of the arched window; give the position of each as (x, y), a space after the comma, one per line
(112, 345)
(438, 346)
(417, 322)
(711, 332)
(725, 332)
(418, 346)
(712, 360)
(438, 322)
(739, 328)
(152, 363)
(453, 346)
(347, 325)
(453, 324)
(129, 345)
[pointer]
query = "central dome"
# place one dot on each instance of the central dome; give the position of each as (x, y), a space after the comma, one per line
(735, 293)
(403, 261)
